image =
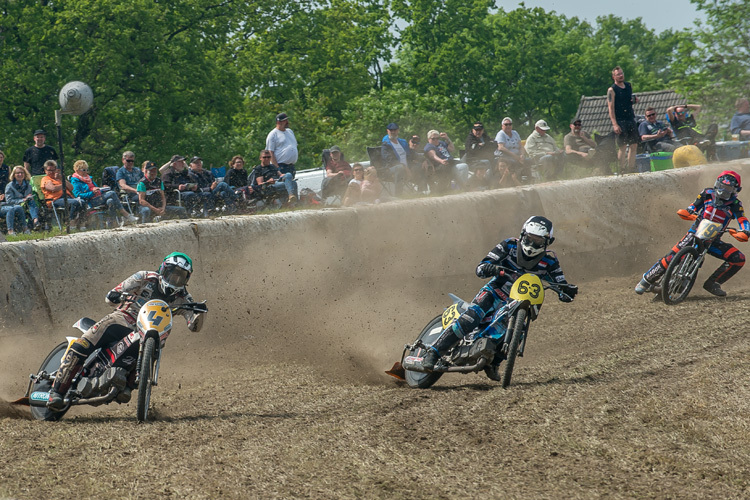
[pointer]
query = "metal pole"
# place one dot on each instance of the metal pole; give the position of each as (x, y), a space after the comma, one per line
(58, 123)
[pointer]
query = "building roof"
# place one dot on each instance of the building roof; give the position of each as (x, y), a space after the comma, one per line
(594, 115)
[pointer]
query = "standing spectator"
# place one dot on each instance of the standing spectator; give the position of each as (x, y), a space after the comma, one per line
(269, 181)
(18, 192)
(480, 150)
(338, 174)
(620, 100)
(52, 186)
(210, 188)
(151, 196)
(128, 176)
(579, 146)
(86, 189)
(179, 185)
(543, 149)
(36, 155)
(740, 125)
(353, 193)
(282, 144)
(511, 156)
(655, 135)
(236, 177)
(5, 176)
(438, 151)
(396, 156)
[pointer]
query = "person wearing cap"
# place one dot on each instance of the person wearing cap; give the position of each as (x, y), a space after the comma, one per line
(151, 198)
(480, 150)
(180, 188)
(579, 146)
(128, 176)
(209, 188)
(35, 156)
(86, 189)
(338, 174)
(543, 149)
(282, 144)
(397, 156)
(511, 156)
(620, 100)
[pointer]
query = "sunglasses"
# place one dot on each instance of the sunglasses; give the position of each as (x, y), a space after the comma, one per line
(129, 160)
(266, 157)
(648, 115)
(83, 169)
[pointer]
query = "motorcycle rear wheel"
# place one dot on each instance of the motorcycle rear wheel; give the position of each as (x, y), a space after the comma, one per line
(517, 327)
(678, 281)
(50, 364)
(423, 380)
(148, 363)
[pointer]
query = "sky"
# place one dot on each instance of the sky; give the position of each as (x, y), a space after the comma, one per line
(657, 15)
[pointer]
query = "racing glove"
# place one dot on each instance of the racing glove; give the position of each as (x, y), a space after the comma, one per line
(114, 297)
(494, 270)
(567, 292)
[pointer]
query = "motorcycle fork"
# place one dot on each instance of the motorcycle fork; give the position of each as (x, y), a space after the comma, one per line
(157, 356)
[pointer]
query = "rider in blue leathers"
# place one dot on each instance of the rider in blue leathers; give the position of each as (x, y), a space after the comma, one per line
(527, 254)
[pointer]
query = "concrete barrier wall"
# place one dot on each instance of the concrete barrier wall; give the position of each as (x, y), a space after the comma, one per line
(297, 261)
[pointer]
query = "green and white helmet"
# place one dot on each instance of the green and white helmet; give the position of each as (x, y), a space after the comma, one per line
(174, 272)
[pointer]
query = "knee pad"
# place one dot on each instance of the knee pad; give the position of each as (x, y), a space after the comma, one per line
(82, 348)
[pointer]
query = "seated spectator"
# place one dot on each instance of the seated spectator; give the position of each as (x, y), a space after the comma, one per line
(84, 188)
(52, 188)
(396, 156)
(236, 177)
(480, 151)
(179, 186)
(338, 174)
(740, 125)
(209, 187)
(372, 189)
(153, 202)
(579, 146)
(5, 176)
(683, 125)
(18, 192)
(268, 180)
(542, 148)
(353, 194)
(512, 166)
(438, 152)
(128, 176)
(655, 135)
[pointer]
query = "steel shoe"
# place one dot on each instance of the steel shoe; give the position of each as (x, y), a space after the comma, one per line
(714, 288)
(643, 286)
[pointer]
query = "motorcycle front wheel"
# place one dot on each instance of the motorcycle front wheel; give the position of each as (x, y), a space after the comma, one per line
(147, 365)
(50, 365)
(680, 276)
(423, 380)
(516, 328)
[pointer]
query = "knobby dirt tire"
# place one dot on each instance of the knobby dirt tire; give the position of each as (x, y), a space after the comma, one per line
(675, 285)
(518, 328)
(50, 364)
(148, 362)
(422, 380)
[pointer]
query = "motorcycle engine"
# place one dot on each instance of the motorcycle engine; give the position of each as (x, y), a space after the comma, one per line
(471, 353)
(98, 386)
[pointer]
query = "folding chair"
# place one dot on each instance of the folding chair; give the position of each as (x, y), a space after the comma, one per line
(41, 201)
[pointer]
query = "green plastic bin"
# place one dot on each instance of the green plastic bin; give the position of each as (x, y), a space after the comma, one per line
(661, 161)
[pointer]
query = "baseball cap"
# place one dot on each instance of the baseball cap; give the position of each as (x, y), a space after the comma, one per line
(281, 117)
(335, 148)
(392, 126)
(507, 119)
(195, 159)
(150, 165)
(542, 125)
(40, 132)
(478, 126)
(577, 121)
(177, 158)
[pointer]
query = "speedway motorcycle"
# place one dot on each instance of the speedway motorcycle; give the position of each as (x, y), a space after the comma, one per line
(111, 372)
(502, 339)
(683, 269)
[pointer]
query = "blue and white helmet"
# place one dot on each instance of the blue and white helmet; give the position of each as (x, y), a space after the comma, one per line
(536, 234)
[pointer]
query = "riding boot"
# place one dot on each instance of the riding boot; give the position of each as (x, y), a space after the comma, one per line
(721, 275)
(444, 342)
(69, 368)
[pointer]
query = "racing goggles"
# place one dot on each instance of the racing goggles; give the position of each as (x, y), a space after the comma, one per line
(534, 241)
(725, 187)
(175, 276)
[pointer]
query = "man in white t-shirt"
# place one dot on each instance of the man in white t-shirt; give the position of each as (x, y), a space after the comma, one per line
(282, 144)
(511, 156)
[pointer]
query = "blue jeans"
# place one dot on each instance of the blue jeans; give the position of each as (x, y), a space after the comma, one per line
(110, 199)
(288, 168)
(286, 182)
(33, 209)
(191, 199)
(75, 206)
(169, 210)
(223, 191)
(13, 213)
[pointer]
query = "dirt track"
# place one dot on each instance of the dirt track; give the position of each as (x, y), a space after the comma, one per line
(617, 397)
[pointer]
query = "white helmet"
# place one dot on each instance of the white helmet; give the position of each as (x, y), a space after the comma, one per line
(175, 272)
(536, 234)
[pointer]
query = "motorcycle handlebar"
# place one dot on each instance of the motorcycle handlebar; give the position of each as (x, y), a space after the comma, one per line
(737, 235)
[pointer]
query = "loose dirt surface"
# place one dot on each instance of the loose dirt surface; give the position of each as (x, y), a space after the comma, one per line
(617, 397)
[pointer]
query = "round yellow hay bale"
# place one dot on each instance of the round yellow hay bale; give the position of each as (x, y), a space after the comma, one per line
(687, 156)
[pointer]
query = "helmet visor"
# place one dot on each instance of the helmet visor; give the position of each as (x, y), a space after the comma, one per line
(725, 187)
(534, 241)
(175, 277)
